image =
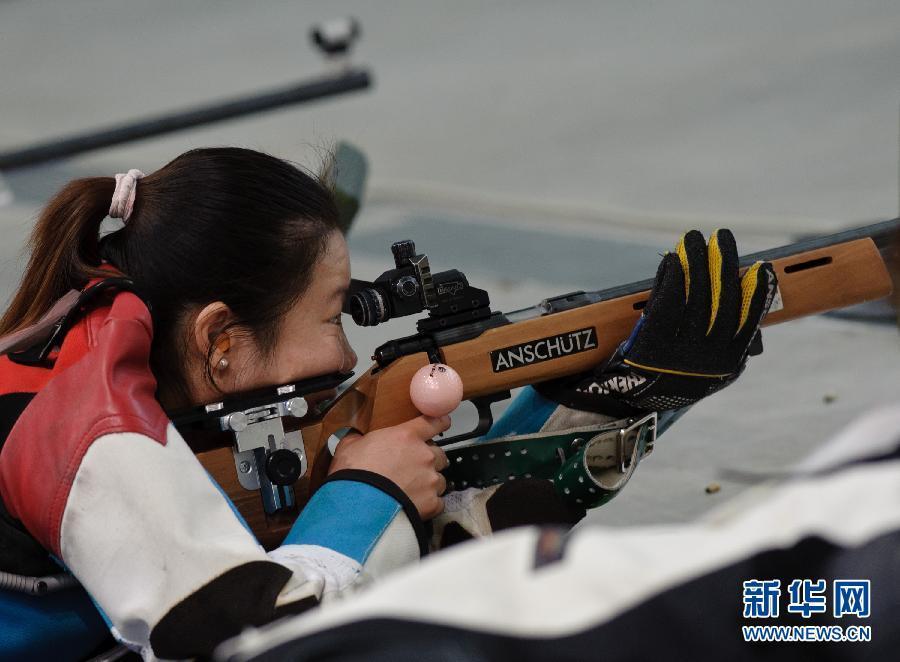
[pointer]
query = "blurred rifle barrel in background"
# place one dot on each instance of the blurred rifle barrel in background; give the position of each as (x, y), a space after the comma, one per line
(348, 81)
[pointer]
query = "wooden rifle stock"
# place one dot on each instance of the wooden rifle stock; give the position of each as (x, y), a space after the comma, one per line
(811, 281)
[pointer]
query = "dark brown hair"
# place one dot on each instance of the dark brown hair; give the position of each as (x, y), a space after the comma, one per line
(219, 224)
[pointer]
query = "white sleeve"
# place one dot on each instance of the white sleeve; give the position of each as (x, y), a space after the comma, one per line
(172, 566)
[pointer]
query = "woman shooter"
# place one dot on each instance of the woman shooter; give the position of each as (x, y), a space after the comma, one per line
(229, 274)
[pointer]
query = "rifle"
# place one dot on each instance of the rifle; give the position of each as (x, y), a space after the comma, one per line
(269, 454)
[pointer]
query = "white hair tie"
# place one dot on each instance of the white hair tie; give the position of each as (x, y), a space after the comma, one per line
(123, 197)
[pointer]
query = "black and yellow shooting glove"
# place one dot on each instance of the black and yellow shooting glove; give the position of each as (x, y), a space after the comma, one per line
(693, 338)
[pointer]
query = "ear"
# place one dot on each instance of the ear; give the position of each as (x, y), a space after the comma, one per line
(212, 328)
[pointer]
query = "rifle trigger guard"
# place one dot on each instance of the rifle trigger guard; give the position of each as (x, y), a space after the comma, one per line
(485, 418)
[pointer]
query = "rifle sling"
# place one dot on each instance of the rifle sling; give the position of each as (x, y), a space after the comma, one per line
(588, 465)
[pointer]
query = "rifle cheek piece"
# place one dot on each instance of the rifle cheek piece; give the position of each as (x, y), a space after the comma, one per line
(266, 458)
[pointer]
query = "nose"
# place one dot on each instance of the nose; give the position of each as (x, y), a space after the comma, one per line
(350, 358)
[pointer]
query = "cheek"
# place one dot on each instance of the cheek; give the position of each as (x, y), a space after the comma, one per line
(326, 355)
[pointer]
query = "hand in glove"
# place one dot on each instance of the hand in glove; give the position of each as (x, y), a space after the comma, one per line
(693, 338)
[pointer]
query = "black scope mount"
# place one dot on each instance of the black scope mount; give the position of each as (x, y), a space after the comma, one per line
(410, 288)
(456, 310)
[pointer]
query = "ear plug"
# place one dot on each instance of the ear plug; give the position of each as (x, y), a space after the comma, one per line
(436, 389)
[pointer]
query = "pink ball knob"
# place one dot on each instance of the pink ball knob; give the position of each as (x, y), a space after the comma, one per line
(436, 389)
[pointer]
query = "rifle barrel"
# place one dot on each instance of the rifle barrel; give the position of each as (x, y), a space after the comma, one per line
(881, 233)
(354, 79)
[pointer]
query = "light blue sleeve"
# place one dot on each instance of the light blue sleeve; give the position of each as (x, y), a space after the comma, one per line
(346, 516)
(527, 414)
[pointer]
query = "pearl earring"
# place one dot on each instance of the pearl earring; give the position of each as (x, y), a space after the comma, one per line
(223, 363)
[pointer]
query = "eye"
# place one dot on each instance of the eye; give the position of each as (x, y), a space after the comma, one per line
(336, 320)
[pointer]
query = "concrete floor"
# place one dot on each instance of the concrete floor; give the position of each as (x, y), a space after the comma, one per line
(570, 142)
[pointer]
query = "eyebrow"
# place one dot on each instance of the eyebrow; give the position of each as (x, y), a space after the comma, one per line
(342, 291)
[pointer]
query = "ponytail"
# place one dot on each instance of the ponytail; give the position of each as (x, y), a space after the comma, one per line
(64, 250)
